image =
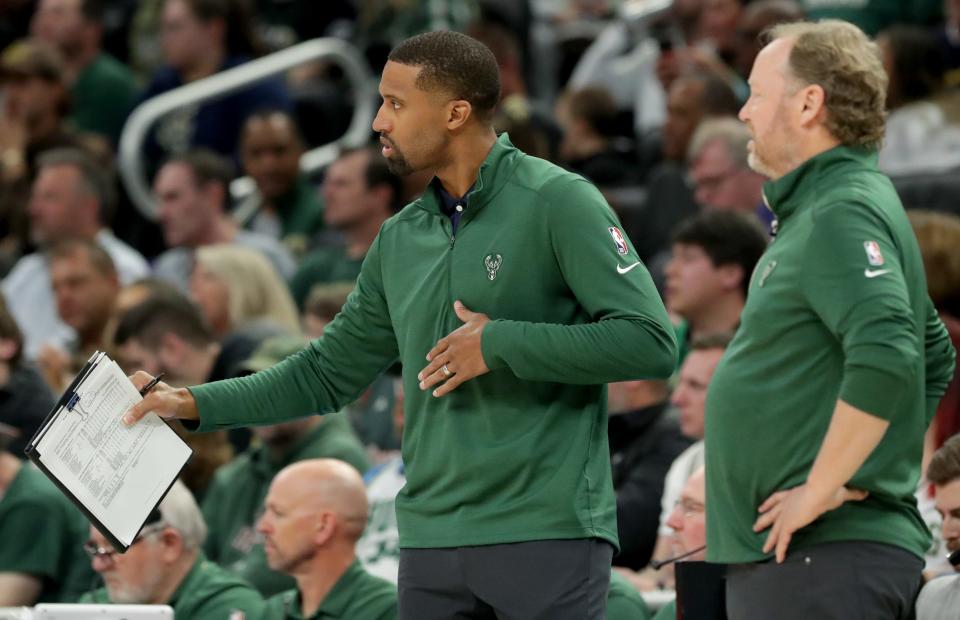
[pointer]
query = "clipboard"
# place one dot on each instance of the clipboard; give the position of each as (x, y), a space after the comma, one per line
(68, 405)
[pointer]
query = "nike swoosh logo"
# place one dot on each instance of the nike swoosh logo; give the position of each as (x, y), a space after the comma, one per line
(623, 270)
(873, 273)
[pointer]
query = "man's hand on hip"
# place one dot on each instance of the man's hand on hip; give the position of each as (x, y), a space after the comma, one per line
(458, 357)
(785, 512)
(165, 401)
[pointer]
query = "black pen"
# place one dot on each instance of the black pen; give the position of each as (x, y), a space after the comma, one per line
(153, 383)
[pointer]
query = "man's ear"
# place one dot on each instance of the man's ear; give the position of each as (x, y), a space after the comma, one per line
(814, 104)
(731, 275)
(458, 112)
(325, 526)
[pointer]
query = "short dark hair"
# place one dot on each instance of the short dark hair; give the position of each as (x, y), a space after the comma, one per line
(717, 98)
(99, 258)
(150, 320)
(455, 63)
(728, 238)
(207, 167)
(918, 65)
(944, 465)
(93, 10)
(596, 106)
(97, 182)
(265, 114)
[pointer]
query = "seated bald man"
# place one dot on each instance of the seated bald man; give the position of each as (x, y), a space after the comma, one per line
(314, 513)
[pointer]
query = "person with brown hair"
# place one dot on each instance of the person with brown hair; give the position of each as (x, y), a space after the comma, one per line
(840, 358)
(941, 597)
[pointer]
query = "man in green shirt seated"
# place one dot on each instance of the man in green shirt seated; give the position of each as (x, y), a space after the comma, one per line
(290, 207)
(103, 90)
(315, 512)
(164, 566)
(238, 489)
(41, 559)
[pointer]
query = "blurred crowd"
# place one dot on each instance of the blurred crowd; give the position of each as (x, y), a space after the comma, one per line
(639, 97)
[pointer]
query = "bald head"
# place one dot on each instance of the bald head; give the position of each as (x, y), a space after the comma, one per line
(319, 485)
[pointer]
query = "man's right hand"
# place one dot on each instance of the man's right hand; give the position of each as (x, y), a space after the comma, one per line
(165, 401)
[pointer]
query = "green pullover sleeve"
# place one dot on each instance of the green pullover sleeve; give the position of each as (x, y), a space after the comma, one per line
(328, 374)
(628, 335)
(865, 306)
(940, 360)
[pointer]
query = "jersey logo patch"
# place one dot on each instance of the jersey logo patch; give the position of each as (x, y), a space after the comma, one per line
(492, 262)
(874, 256)
(618, 239)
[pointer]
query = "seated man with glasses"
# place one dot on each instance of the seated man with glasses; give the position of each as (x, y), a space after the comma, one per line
(164, 566)
(689, 523)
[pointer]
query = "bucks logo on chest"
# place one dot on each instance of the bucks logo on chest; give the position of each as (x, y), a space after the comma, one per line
(492, 263)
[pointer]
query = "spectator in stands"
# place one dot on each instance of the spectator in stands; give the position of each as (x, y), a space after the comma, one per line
(32, 120)
(238, 490)
(938, 235)
(71, 198)
(923, 127)
(644, 441)
(691, 98)
(193, 195)
(940, 598)
(755, 18)
(41, 558)
(359, 193)
(236, 289)
(290, 207)
(200, 38)
(25, 400)
(588, 117)
(712, 258)
(165, 566)
(722, 179)
(840, 353)
(85, 286)
(717, 26)
(315, 512)
(516, 107)
(102, 89)
(688, 522)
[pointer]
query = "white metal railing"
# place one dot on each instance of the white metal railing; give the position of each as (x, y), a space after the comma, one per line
(131, 156)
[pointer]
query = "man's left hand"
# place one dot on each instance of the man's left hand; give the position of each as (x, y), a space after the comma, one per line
(785, 512)
(458, 357)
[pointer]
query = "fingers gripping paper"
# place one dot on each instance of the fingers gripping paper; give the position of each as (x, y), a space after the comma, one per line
(116, 474)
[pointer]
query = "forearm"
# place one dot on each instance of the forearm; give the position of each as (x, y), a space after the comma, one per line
(605, 351)
(852, 436)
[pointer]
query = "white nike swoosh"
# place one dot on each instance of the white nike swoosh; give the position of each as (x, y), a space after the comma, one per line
(873, 273)
(623, 270)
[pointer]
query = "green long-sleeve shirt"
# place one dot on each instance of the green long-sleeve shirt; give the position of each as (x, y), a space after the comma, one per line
(519, 453)
(837, 309)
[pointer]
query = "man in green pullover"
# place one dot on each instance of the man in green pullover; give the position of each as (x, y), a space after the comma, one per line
(510, 296)
(815, 416)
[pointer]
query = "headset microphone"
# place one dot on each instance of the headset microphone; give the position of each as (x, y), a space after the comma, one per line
(658, 564)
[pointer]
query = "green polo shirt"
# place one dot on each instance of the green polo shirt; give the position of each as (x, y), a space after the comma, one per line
(667, 612)
(207, 593)
(238, 489)
(357, 595)
(624, 601)
(102, 96)
(51, 549)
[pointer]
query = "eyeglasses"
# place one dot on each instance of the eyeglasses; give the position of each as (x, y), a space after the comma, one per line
(95, 551)
(690, 508)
